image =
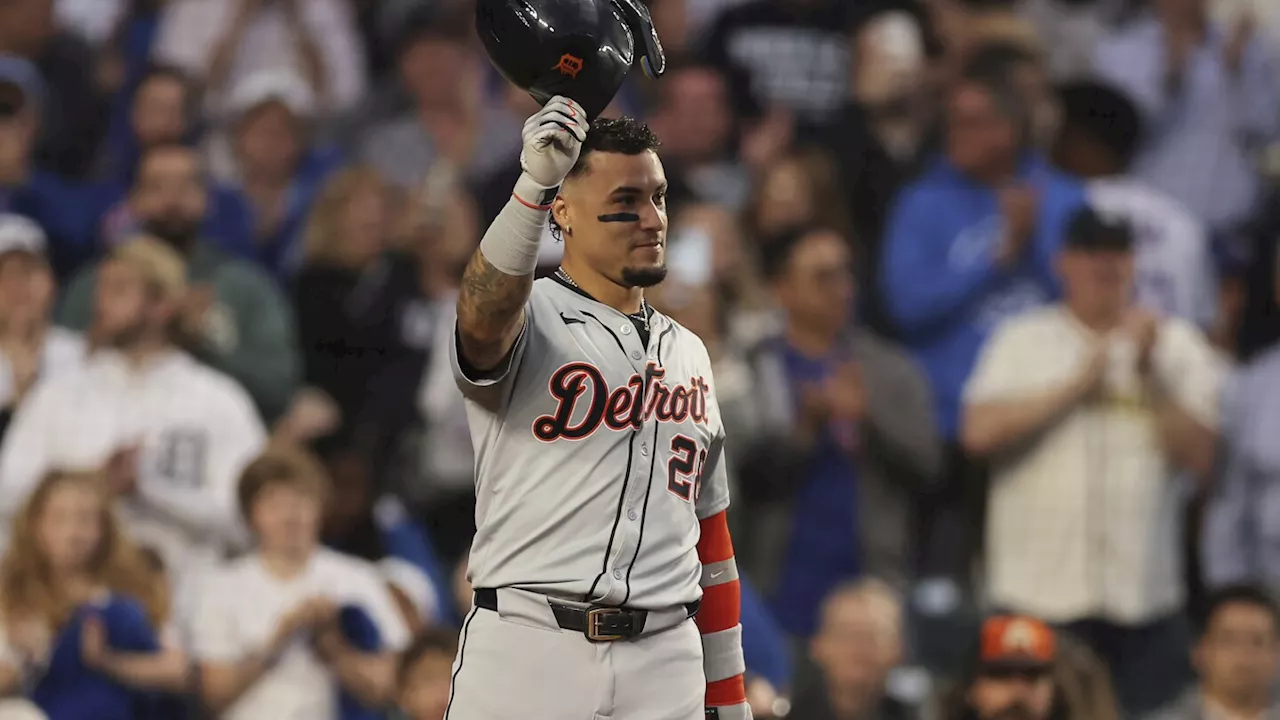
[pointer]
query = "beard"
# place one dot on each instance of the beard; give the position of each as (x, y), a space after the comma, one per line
(643, 277)
(178, 232)
(122, 338)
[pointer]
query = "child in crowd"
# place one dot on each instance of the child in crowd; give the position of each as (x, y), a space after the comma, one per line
(79, 609)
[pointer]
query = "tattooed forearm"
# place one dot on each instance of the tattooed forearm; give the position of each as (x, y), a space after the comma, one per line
(490, 311)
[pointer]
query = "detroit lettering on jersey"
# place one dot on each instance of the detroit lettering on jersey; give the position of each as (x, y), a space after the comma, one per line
(599, 450)
(626, 407)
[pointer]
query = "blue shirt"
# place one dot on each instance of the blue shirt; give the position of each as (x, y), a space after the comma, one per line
(70, 691)
(941, 284)
(281, 253)
(823, 549)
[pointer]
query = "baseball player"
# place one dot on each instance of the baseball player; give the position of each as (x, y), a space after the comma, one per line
(600, 486)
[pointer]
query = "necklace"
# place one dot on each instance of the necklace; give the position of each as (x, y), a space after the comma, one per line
(642, 315)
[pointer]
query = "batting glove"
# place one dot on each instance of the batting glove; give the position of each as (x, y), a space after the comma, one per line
(552, 141)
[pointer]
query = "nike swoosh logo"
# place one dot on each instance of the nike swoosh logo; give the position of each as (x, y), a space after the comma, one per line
(715, 575)
(571, 321)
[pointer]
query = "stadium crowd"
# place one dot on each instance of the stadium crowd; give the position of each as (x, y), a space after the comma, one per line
(988, 285)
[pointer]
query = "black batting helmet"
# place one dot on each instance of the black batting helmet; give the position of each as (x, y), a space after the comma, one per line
(581, 49)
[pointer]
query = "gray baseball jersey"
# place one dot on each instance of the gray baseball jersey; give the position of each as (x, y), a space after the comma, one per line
(596, 456)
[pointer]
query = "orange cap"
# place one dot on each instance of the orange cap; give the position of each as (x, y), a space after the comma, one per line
(1016, 640)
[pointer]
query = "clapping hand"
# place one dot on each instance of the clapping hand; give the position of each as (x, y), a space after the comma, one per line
(307, 616)
(94, 650)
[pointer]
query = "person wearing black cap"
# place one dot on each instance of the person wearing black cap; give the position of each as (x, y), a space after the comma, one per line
(1088, 410)
(1100, 134)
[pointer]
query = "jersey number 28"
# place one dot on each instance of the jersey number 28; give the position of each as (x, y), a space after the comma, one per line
(684, 469)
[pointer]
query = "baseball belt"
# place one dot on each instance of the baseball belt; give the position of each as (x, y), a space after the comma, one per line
(597, 623)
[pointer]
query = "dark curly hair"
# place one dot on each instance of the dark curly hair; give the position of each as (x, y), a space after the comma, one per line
(624, 136)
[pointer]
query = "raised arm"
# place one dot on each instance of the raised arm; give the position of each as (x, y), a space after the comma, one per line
(497, 281)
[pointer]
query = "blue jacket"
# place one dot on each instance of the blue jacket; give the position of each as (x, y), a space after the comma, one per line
(940, 284)
(70, 691)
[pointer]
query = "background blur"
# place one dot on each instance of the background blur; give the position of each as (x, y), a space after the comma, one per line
(875, 215)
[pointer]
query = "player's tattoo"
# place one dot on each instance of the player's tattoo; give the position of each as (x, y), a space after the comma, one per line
(490, 311)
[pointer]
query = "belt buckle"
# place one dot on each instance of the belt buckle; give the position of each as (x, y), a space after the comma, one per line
(594, 621)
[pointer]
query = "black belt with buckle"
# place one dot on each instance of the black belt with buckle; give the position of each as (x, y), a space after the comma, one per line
(598, 624)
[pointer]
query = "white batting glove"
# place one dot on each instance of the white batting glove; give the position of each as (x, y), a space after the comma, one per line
(552, 141)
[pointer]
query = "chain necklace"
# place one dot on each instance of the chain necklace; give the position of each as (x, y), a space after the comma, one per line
(642, 316)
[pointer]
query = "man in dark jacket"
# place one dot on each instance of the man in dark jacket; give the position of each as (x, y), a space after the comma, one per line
(848, 439)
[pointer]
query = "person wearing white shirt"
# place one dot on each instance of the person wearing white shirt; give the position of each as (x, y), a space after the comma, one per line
(266, 635)
(1087, 412)
(222, 42)
(1100, 135)
(171, 433)
(29, 345)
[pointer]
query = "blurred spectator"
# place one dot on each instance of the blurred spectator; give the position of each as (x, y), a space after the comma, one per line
(354, 301)
(1012, 677)
(70, 584)
(163, 113)
(274, 159)
(969, 244)
(1236, 656)
(30, 346)
(1071, 31)
(63, 209)
(695, 119)
(279, 625)
(1209, 95)
(442, 235)
(239, 321)
(710, 247)
(1101, 132)
(171, 434)
(426, 669)
(848, 438)
(1254, 261)
(363, 522)
(881, 137)
(965, 26)
(801, 188)
(1024, 68)
(225, 43)
(795, 54)
(448, 119)
(858, 643)
(73, 112)
(1241, 523)
(123, 63)
(1086, 410)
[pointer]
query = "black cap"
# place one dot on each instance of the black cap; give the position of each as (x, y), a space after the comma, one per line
(1105, 114)
(581, 49)
(1089, 230)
